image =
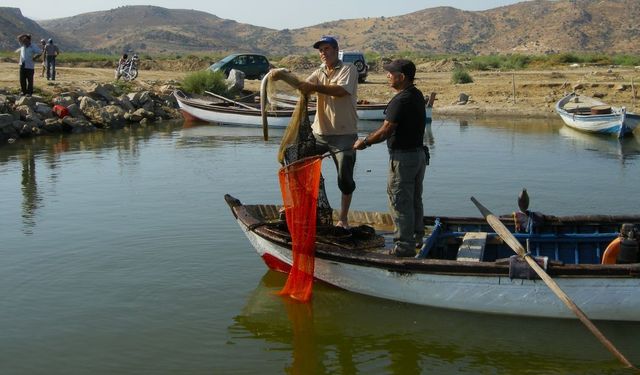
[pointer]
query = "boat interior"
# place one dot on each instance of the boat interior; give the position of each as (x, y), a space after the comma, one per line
(562, 240)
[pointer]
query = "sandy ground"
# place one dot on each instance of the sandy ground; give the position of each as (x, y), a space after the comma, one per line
(491, 93)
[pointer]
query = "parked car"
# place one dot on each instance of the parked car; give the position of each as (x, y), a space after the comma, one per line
(254, 66)
(357, 59)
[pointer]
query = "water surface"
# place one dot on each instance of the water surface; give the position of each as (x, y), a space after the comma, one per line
(119, 255)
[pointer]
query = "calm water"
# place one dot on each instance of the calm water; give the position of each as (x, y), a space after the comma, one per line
(119, 255)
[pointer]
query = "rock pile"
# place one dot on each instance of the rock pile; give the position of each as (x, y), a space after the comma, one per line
(297, 62)
(96, 108)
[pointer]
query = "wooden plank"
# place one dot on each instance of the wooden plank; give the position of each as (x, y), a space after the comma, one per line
(472, 247)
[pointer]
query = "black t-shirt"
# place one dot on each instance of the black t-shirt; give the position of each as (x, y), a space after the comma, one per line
(407, 109)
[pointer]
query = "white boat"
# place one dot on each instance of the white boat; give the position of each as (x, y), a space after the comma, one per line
(229, 112)
(450, 274)
(376, 111)
(594, 116)
(365, 109)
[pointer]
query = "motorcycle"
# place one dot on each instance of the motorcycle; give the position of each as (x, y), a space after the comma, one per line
(129, 69)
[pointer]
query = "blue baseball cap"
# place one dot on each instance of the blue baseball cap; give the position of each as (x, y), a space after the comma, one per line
(326, 39)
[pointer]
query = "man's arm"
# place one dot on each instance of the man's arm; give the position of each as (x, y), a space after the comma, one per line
(382, 133)
(331, 90)
(343, 83)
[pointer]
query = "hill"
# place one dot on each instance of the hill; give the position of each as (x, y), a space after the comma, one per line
(538, 26)
(156, 29)
(13, 23)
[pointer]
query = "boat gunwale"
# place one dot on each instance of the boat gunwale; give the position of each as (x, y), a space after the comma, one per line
(247, 215)
(214, 107)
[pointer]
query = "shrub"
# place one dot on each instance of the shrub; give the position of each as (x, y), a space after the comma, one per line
(485, 62)
(461, 76)
(627, 60)
(205, 80)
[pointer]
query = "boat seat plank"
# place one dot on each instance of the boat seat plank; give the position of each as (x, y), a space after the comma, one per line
(472, 247)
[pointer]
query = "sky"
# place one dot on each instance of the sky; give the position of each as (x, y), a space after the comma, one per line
(274, 14)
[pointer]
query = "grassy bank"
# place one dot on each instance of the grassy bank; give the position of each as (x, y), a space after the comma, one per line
(471, 62)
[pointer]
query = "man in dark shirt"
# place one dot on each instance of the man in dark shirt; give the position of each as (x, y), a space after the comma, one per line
(403, 129)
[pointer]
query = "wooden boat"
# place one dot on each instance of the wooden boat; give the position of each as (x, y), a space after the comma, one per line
(464, 265)
(366, 110)
(376, 111)
(591, 115)
(230, 112)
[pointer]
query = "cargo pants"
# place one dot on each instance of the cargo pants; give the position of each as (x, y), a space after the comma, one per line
(404, 188)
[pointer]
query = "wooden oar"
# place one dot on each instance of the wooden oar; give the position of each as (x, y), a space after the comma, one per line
(232, 101)
(506, 235)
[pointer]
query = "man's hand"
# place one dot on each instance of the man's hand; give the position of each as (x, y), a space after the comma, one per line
(360, 144)
(306, 87)
(275, 74)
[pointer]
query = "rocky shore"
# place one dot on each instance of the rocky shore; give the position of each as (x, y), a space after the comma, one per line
(78, 110)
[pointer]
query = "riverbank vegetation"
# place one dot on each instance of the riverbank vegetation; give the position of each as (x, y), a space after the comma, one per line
(516, 61)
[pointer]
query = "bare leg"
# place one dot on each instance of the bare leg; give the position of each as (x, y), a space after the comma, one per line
(344, 211)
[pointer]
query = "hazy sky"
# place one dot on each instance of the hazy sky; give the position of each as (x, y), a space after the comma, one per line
(275, 14)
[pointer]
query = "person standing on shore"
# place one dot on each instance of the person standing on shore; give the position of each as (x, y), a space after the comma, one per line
(403, 129)
(335, 124)
(27, 67)
(51, 51)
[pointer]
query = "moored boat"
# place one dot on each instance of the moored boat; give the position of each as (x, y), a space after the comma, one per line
(464, 265)
(594, 116)
(366, 110)
(231, 112)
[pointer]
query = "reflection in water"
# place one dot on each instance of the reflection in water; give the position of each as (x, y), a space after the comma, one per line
(625, 149)
(31, 200)
(342, 332)
(46, 152)
(428, 135)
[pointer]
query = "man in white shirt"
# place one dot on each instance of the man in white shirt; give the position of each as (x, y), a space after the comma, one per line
(28, 52)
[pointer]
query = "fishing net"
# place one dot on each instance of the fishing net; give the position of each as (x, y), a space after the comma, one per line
(299, 184)
(302, 186)
(298, 141)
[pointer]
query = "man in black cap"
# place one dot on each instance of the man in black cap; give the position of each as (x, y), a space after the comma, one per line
(335, 124)
(403, 129)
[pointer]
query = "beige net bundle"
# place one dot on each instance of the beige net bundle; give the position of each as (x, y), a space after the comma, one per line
(282, 88)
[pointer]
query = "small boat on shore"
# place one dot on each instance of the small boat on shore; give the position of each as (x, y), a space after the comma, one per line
(464, 264)
(366, 110)
(594, 116)
(231, 112)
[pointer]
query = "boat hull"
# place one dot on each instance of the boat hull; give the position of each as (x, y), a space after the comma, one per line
(603, 298)
(619, 122)
(377, 113)
(218, 114)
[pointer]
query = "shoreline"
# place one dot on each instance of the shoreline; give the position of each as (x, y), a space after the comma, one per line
(530, 94)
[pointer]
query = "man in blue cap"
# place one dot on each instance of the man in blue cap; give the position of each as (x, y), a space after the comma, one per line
(335, 123)
(403, 129)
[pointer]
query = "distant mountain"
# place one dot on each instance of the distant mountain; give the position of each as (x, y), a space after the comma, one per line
(155, 29)
(13, 23)
(538, 26)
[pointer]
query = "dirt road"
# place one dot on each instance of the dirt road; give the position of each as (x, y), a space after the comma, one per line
(491, 93)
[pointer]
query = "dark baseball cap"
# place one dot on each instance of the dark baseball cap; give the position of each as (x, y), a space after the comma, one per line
(406, 67)
(326, 39)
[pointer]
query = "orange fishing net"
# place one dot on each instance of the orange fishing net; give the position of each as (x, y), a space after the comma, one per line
(299, 184)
